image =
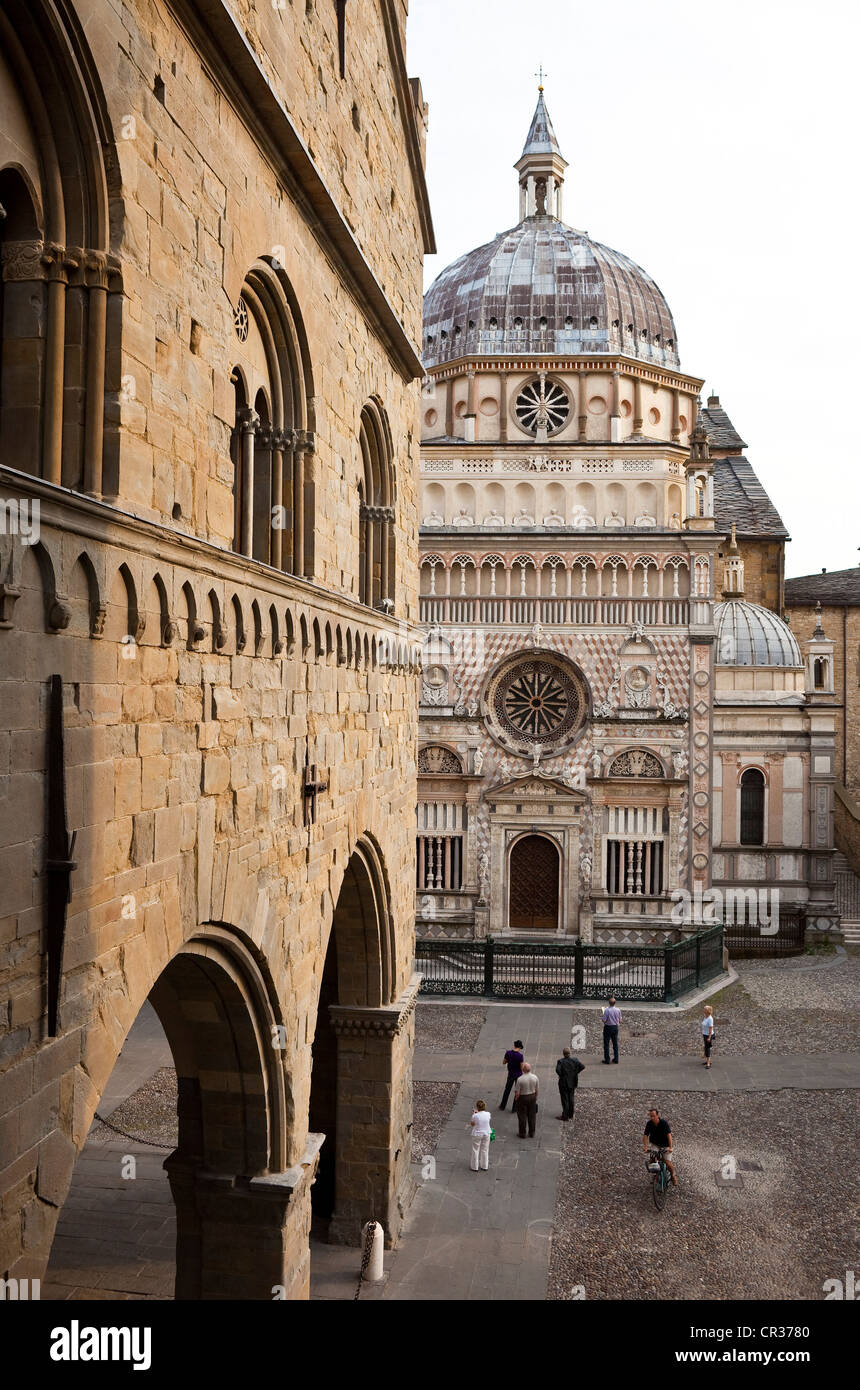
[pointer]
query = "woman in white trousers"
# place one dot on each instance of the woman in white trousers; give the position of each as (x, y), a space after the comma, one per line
(480, 1123)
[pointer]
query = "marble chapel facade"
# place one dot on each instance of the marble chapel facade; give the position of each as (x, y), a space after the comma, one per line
(606, 715)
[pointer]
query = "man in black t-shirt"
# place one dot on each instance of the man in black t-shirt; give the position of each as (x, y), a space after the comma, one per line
(658, 1135)
(513, 1060)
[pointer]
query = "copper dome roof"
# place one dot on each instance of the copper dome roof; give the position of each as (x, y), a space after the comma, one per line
(544, 287)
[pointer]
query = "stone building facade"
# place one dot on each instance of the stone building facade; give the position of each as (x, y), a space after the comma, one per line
(214, 216)
(609, 715)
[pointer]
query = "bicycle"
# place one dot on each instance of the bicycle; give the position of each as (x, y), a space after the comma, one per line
(660, 1178)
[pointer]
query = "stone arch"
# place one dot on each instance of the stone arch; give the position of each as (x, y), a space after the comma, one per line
(303, 636)
(88, 609)
(217, 627)
(240, 1209)
(355, 1049)
(157, 604)
(585, 580)
(275, 629)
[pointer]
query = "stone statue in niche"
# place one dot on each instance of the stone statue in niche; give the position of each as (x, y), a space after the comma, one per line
(540, 197)
(483, 876)
(463, 518)
(614, 519)
(679, 762)
(585, 870)
(581, 517)
(646, 520)
(523, 518)
(675, 521)
(472, 708)
(433, 519)
(595, 763)
(554, 519)
(494, 519)
(477, 761)
(536, 756)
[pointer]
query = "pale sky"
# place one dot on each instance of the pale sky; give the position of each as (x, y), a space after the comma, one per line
(716, 145)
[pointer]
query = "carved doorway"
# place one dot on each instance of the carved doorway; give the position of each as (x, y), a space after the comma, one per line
(534, 871)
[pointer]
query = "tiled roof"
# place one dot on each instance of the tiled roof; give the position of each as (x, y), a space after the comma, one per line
(740, 498)
(721, 432)
(832, 587)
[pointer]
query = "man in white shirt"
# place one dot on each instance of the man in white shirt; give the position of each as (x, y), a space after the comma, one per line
(525, 1101)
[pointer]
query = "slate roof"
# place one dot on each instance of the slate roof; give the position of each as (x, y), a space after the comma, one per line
(740, 498)
(721, 432)
(835, 587)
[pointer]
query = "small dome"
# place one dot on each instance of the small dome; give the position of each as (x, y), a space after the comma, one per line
(543, 286)
(748, 635)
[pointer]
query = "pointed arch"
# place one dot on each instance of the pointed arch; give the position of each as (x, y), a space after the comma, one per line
(377, 499)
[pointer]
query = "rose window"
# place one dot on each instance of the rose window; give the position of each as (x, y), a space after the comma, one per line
(536, 702)
(542, 405)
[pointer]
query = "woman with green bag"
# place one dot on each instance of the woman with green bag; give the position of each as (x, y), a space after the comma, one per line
(481, 1135)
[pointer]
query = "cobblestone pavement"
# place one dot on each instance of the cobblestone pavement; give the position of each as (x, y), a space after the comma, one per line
(432, 1102)
(447, 1027)
(787, 1223)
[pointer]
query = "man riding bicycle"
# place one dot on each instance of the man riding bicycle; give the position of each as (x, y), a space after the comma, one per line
(658, 1134)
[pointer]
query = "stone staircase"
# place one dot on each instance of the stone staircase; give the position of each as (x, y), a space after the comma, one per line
(847, 894)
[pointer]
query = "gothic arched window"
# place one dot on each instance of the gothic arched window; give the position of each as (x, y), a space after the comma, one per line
(272, 444)
(752, 807)
(376, 509)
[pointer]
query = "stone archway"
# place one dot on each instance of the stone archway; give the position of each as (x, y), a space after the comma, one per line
(242, 1216)
(361, 1091)
(534, 877)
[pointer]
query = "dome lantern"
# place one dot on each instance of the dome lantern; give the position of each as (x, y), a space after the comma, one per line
(541, 167)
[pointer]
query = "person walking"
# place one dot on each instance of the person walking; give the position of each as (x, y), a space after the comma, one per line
(708, 1033)
(513, 1060)
(611, 1020)
(525, 1101)
(480, 1123)
(567, 1069)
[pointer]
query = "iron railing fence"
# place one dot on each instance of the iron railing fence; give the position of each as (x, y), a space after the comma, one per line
(500, 969)
(751, 938)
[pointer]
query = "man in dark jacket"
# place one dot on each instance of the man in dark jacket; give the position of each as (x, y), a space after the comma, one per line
(567, 1070)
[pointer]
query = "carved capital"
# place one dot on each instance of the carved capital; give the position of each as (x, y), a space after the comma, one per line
(22, 260)
(353, 1021)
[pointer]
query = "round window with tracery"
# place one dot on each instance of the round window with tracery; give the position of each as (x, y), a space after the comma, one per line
(241, 321)
(542, 405)
(540, 701)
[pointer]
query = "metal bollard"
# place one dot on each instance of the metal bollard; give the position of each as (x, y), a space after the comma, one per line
(372, 1239)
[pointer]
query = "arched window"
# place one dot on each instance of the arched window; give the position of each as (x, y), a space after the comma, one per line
(59, 194)
(819, 673)
(272, 442)
(752, 807)
(376, 509)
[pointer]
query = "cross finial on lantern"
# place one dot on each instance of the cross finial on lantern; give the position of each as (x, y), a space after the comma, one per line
(540, 75)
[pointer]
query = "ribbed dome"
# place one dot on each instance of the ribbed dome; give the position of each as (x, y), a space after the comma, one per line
(545, 287)
(748, 635)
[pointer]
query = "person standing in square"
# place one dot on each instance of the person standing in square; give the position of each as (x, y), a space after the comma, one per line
(525, 1101)
(611, 1021)
(514, 1062)
(480, 1123)
(567, 1069)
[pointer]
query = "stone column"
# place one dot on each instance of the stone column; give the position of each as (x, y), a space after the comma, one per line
(503, 405)
(52, 424)
(97, 281)
(242, 1237)
(278, 514)
(374, 1116)
(637, 405)
(582, 387)
(248, 422)
(303, 495)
